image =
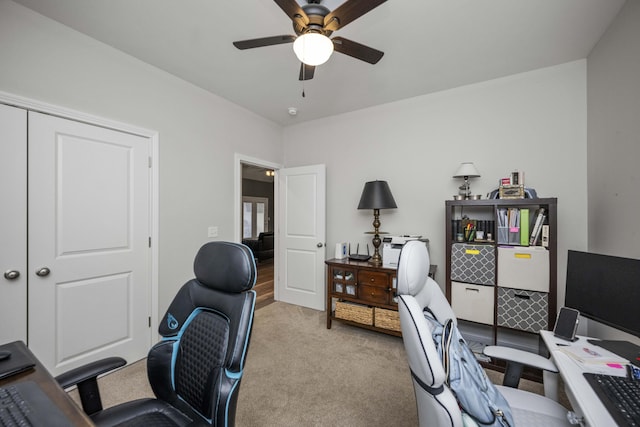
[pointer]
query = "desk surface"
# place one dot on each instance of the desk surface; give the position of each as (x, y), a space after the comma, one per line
(43, 378)
(584, 400)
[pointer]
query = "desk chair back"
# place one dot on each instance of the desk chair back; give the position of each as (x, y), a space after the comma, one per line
(437, 406)
(198, 365)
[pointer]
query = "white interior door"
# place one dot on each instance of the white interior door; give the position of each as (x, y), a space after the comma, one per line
(89, 255)
(13, 226)
(302, 199)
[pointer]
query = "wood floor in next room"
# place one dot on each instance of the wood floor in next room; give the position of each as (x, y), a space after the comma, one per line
(264, 283)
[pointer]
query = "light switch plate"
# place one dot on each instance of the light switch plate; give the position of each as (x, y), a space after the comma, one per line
(212, 231)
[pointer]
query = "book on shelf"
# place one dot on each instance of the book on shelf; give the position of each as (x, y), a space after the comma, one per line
(545, 236)
(536, 236)
(537, 226)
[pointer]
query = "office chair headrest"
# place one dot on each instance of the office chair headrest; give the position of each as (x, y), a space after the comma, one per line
(225, 266)
(413, 268)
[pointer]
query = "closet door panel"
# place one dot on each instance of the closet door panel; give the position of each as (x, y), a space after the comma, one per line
(89, 227)
(13, 224)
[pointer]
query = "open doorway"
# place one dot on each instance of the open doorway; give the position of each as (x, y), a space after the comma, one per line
(257, 220)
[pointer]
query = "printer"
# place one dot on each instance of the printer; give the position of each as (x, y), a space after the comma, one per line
(392, 245)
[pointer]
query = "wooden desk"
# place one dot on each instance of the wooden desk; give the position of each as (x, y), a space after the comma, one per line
(43, 378)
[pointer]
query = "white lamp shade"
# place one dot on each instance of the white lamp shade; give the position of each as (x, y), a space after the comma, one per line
(313, 48)
(467, 169)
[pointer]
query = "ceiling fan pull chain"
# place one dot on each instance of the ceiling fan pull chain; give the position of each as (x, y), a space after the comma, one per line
(303, 79)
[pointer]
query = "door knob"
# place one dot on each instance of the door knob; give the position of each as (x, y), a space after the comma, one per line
(11, 274)
(319, 245)
(44, 271)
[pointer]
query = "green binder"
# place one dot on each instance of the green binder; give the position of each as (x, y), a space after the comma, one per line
(524, 227)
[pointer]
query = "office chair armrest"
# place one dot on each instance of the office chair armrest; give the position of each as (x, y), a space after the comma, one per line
(89, 371)
(86, 378)
(520, 356)
(516, 359)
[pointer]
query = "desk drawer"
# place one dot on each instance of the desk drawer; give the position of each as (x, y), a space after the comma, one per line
(472, 302)
(373, 294)
(373, 278)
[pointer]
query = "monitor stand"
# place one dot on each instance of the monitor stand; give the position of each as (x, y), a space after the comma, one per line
(625, 349)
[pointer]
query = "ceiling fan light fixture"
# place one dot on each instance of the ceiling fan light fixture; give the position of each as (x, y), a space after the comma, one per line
(313, 48)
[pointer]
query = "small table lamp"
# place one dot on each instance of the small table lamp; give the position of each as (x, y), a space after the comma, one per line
(466, 170)
(376, 195)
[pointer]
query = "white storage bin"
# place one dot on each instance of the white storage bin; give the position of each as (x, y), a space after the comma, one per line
(522, 267)
(472, 302)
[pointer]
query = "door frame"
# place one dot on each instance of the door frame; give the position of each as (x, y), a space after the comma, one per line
(152, 135)
(238, 160)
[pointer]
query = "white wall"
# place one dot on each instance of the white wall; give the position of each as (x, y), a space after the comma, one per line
(198, 132)
(614, 143)
(533, 122)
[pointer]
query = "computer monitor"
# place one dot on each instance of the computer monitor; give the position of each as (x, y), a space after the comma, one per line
(605, 288)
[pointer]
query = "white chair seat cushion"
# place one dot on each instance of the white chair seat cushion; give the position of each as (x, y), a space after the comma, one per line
(530, 409)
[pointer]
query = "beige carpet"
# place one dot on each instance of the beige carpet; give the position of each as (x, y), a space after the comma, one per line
(298, 372)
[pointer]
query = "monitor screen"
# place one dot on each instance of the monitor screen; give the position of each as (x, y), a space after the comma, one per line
(605, 288)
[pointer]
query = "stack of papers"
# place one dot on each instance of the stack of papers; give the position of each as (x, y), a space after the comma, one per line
(592, 355)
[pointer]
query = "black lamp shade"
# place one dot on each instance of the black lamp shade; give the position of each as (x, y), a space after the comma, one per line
(376, 195)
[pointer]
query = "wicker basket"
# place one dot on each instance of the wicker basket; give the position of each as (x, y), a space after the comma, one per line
(387, 319)
(354, 312)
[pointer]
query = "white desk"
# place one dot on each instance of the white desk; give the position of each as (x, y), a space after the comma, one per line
(584, 400)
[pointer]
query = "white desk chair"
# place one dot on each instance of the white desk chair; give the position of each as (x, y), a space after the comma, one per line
(437, 406)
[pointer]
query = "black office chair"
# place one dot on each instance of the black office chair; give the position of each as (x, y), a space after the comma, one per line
(195, 371)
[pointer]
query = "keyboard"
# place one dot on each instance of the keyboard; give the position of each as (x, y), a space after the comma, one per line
(620, 395)
(25, 404)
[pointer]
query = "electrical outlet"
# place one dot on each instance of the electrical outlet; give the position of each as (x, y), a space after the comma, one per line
(212, 231)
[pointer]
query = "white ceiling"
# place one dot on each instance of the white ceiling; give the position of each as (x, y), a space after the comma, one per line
(429, 45)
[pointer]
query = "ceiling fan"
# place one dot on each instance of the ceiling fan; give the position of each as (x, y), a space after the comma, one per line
(313, 20)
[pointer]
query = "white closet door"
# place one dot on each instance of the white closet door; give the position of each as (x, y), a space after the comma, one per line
(13, 224)
(89, 255)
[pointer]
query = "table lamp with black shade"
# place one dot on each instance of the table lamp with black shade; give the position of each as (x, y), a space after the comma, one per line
(376, 195)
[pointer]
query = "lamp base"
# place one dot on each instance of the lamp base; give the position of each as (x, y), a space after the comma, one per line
(376, 259)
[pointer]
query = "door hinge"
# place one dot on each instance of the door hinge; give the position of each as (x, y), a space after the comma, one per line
(149, 241)
(150, 162)
(149, 321)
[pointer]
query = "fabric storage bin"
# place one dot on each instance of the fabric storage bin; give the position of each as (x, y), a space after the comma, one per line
(473, 302)
(523, 310)
(473, 263)
(523, 267)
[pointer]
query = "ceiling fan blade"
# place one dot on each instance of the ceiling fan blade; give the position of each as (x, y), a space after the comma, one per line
(349, 11)
(357, 50)
(264, 41)
(306, 71)
(294, 12)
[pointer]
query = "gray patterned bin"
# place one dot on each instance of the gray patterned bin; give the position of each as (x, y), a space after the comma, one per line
(523, 310)
(473, 263)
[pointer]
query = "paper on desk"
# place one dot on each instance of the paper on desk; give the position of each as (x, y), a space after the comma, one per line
(591, 355)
